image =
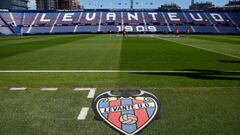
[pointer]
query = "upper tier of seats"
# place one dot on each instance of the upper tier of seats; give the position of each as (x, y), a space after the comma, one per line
(116, 21)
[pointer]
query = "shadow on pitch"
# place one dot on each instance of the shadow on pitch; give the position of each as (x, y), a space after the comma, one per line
(229, 61)
(200, 74)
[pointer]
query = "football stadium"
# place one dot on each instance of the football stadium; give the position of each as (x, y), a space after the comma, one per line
(115, 67)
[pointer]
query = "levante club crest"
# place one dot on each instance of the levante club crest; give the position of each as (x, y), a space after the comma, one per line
(127, 113)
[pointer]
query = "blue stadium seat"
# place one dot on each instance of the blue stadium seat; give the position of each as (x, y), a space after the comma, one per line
(34, 22)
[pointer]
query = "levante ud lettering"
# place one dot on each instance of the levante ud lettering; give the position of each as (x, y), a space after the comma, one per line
(128, 21)
(127, 16)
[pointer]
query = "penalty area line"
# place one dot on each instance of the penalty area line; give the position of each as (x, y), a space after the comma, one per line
(83, 113)
(49, 89)
(91, 92)
(18, 89)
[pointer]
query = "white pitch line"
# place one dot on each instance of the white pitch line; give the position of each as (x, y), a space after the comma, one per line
(49, 89)
(18, 89)
(83, 113)
(102, 71)
(94, 71)
(91, 92)
(229, 55)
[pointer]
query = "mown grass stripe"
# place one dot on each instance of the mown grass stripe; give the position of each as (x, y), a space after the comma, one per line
(209, 50)
(220, 39)
(24, 47)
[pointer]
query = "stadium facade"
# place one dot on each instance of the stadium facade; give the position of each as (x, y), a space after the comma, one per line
(57, 4)
(14, 4)
(105, 21)
(46, 4)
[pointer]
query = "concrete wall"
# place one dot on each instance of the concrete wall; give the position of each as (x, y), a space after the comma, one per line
(5, 4)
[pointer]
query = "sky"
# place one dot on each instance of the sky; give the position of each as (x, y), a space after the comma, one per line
(137, 3)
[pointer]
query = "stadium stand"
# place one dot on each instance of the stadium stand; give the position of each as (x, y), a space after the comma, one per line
(105, 21)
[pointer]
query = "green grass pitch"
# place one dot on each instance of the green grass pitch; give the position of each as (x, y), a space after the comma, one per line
(205, 100)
